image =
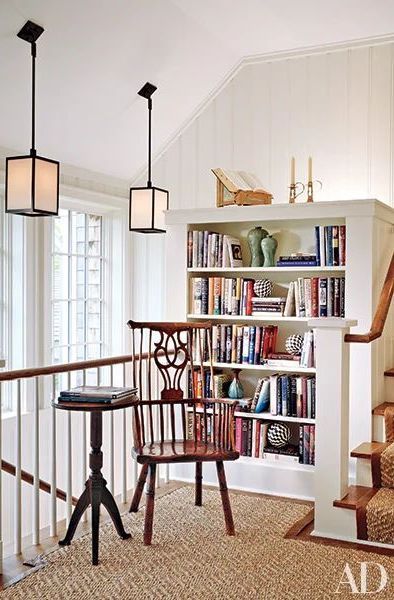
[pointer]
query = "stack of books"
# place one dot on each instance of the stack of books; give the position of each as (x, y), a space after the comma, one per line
(268, 306)
(101, 394)
(298, 259)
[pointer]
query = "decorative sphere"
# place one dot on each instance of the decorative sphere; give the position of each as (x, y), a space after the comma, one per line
(263, 288)
(294, 343)
(278, 434)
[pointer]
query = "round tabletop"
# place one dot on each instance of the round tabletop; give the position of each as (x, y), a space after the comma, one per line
(96, 406)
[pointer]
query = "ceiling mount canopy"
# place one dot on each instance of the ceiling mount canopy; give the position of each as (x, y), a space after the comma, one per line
(147, 204)
(32, 181)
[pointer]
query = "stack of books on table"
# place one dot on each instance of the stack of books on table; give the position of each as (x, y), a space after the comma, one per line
(268, 306)
(101, 394)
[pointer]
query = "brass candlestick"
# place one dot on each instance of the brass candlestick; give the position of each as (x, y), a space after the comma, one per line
(310, 189)
(293, 191)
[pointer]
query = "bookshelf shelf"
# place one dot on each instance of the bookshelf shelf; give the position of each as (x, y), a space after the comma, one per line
(262, 270)
(264, 368)
(265, 416)
(275, 464)
(248, 319)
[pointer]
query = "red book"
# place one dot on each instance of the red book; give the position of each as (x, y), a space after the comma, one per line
(342, 245)
(257, 441)
(249, 296)
(257, 346)
(238, 433)
(265, 342)
(304, 398)
(315, 296)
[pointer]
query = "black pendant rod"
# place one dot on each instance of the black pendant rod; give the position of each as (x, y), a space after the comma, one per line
(149, 143)
(33, 98)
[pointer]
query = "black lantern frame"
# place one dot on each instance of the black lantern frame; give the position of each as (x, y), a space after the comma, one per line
(145, 212)
(37, 183)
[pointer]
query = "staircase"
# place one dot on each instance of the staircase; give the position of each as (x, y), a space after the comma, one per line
(371, 498)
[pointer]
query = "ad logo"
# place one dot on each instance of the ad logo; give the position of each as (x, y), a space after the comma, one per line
(371, 579)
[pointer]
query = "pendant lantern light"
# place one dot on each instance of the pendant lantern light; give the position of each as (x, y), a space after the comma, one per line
(147, 204)
(32, 181)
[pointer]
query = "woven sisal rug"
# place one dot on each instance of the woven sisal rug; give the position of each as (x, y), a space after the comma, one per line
(192, 558)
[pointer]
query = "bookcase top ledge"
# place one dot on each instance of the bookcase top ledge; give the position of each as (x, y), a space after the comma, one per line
(339, 209)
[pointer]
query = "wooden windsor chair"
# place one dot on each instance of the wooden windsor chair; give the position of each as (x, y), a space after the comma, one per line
(172, 428)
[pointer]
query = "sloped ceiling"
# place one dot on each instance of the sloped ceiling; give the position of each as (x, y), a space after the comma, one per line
(96, 54)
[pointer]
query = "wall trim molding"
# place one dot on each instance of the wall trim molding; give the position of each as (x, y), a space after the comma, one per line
(258, 59)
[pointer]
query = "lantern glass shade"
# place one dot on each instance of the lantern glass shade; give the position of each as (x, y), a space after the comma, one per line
(146, 211)
(32, 186)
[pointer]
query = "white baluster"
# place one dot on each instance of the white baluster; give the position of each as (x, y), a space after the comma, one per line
(124, 445)
(1, 482)
(111, 441)
(69, 458)
(18, 473)
(53, 526)
(36, 466)
(83, 450)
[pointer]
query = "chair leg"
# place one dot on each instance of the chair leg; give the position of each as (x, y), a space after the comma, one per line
(150, 505)
(228, 516)
(139, 488)
(198, 495)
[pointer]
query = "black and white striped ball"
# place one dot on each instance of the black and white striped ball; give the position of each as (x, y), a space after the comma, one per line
(294, 343)
(278, 434)
(263, 288)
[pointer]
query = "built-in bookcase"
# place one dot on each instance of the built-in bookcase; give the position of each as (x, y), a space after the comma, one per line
(294, 228)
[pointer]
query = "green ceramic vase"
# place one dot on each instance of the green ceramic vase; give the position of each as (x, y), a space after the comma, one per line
(255, 238)
(268, 247)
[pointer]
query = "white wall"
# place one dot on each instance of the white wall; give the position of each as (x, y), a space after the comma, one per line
(336, 106)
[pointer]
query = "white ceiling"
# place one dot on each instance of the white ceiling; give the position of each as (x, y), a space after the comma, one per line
(96, 54)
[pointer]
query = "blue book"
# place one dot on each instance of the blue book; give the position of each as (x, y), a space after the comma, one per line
(298, 263)
(329, 252)
(285, 396)
(317, 245)
(252, 338)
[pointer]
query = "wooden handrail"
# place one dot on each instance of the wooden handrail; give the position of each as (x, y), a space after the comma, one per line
(28, 478)
(381, 312)
(66, 367)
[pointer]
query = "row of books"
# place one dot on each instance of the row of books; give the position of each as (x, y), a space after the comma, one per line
(221, 296)
(199, 384)
(316, 297)
(330, 245)
(251, 440)
(210, 249)
(287, 395)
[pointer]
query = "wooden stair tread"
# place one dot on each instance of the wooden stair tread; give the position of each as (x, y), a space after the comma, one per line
(365, 449)
(357, 495)
(389, 373)
(379, 410)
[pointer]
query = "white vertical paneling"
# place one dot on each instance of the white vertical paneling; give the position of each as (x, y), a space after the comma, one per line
(316, 128)
(380, 120)
(280, 130)
(224, 147)
(260, 112)
(358, 122)
(188, 171)
(242, 119)
(206, 189)
(297, 121)
(335, 174)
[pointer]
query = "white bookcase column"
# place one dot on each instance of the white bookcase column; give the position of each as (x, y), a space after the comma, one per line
(332, 425)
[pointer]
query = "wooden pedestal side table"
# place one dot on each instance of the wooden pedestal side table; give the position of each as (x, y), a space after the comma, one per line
(96, 491)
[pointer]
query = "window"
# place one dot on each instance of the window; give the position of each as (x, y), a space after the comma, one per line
(77, 287)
